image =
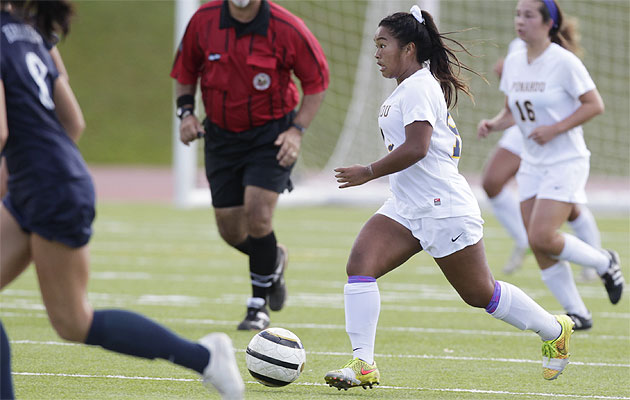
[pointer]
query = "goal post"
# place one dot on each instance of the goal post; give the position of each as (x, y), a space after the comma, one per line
(345, 130)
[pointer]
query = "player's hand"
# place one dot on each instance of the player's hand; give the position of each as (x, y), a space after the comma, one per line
(353, 176)
(543, 134)
(289, 142)
(190, 129)
(484, 128)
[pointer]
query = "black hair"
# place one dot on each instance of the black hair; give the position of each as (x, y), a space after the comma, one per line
(50, 17)
(430, 47)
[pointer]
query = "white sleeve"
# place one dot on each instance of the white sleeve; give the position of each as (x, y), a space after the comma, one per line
(417, 105)
(576, 79)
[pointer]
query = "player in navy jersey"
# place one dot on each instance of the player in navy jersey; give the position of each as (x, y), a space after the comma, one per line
(47, 215)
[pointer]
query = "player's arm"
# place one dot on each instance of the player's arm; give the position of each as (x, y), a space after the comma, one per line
(500, 122)
(290, 140)
(68, 109)
(189, 128)
(591, 105)
(61, 67)
(415, 148)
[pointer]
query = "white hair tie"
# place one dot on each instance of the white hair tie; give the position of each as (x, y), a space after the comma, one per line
(417, 13)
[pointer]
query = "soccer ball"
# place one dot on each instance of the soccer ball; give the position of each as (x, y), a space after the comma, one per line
(275, 357)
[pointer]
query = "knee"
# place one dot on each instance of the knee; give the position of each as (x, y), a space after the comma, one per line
(231, 235)
(541, 241)
(358, 266)
(491, 185)
(258, 223)
(73, 328)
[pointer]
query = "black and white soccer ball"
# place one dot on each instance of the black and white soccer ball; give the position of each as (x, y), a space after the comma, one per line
(275, 357)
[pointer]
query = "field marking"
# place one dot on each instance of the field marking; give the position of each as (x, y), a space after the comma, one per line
(454, 390)
(379, 355)
(440, 331)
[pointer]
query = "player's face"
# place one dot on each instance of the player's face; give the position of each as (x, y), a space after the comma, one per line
(528, 21)
(388, 53)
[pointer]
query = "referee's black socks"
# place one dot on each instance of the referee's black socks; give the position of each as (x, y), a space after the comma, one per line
(262, 263)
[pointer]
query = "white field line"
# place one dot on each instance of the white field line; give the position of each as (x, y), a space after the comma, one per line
(439, 331)
(378, 355)
(454, 390)
(392, 300)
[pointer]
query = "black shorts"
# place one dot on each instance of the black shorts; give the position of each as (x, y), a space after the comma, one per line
(236, 160)
(62, 211)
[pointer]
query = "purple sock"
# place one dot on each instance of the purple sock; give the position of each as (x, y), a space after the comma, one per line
(494, 302)
(360, 279)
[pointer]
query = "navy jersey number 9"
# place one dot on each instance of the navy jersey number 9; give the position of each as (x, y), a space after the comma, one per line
(457, 148)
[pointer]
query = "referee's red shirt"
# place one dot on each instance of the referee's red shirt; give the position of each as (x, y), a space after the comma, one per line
(245, 69)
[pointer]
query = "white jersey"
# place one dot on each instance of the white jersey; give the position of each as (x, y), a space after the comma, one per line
(432, 187)
(543, 93)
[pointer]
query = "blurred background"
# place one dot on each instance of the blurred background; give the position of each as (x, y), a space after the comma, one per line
(119, 55)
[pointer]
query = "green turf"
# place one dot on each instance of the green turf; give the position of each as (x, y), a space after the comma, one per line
(171, 265)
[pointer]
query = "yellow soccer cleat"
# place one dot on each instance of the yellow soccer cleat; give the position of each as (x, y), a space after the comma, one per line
(555, 353)
(355, 373)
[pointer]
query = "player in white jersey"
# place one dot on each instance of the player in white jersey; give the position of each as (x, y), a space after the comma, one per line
(502, 167)
(549, 94)
(432, 207)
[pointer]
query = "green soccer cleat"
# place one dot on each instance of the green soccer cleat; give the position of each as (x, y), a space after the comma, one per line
(355, 373)
(555, 353)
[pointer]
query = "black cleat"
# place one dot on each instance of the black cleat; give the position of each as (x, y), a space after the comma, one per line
(277, 294)
(257, 319)
(581, 323)
(613, 278)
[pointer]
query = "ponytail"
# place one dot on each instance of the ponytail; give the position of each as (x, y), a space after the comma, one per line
(430, 47)
(564, 33)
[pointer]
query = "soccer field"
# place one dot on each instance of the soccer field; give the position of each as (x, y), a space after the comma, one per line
(172, 266)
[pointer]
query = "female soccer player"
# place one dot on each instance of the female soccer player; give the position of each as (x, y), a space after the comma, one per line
(432, 207)
(503, 165)
(46, 216)
(549, 94)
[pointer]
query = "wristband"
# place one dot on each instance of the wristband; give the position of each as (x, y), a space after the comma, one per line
(186, 100)
(298, 127)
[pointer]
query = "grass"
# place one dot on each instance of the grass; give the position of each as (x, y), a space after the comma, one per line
(171, 266)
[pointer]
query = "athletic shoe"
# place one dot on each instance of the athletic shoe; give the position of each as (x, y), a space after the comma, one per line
(555, 353)
(222, 372)
(355, 373)
(588, 275)
(257, 317)
(581, 323)
(516, 260)
(278, 291)
(613, 278)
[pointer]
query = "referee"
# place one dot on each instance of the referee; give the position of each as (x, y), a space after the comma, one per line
(242, 53)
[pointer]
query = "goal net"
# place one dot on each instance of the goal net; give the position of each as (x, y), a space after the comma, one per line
(345, 130)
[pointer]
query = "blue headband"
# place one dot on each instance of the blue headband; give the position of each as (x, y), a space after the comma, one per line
(553, 11)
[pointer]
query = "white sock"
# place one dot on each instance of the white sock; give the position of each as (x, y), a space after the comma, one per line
(519, 310)
(507, 210)
(363, 305)
(579, 252)
(559, 279)
(585, 228)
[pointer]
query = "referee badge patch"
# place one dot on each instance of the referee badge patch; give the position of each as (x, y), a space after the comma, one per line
(262, 81)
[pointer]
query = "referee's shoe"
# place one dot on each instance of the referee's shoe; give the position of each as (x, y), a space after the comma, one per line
(277, 294)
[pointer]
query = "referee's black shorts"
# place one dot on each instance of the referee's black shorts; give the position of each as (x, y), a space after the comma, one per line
(236, 160)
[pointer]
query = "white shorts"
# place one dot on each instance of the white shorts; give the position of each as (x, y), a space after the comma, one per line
(563, 181)
(512, 140)
(439, 237)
